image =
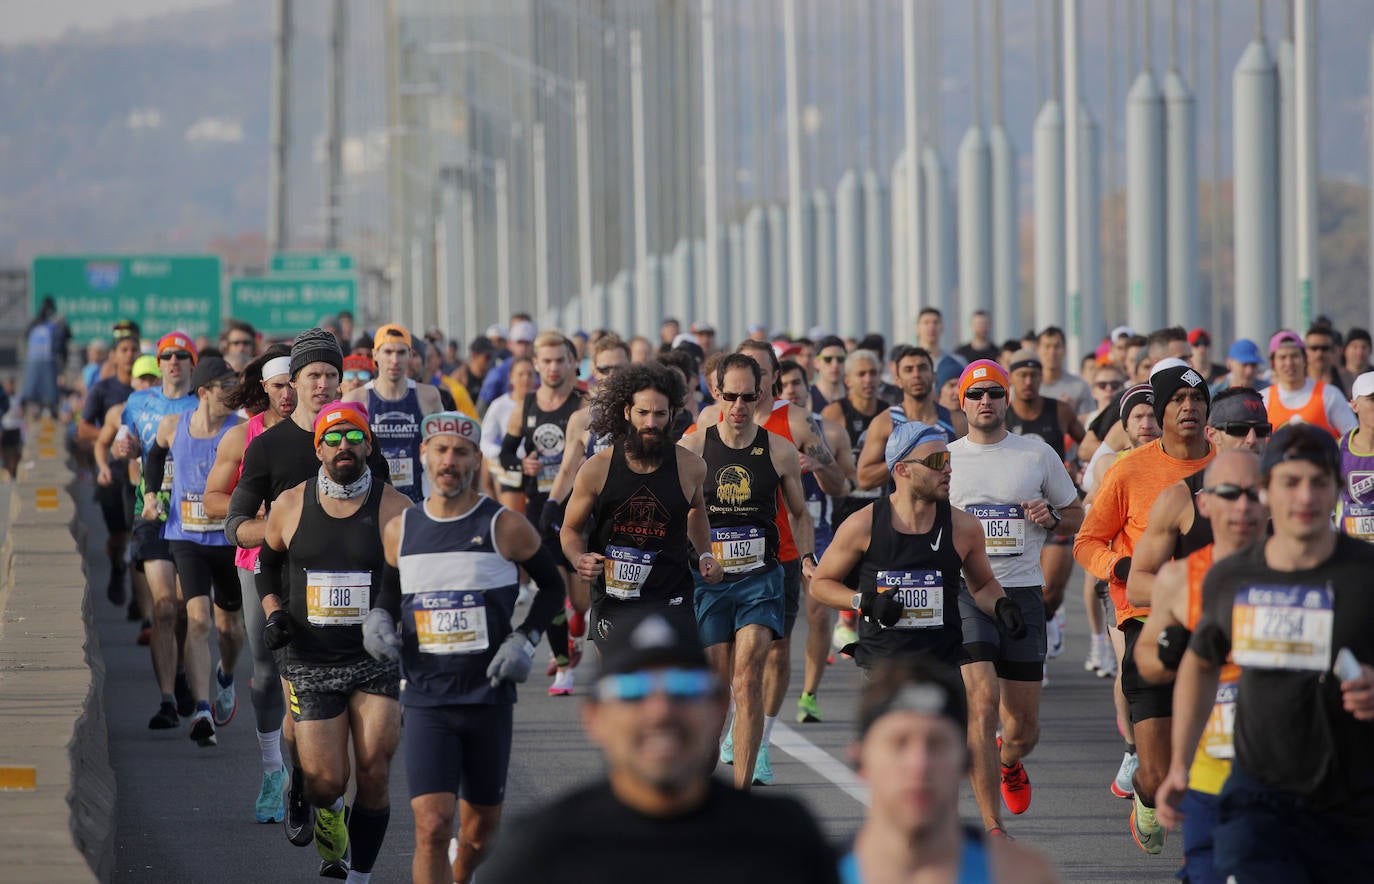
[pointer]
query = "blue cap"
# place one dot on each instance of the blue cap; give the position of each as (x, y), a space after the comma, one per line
(906, 437)
(1246, 352)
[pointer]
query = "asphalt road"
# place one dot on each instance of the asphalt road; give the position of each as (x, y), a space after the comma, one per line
(185, 813)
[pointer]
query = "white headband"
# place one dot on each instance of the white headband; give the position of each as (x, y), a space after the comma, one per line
(278, 365)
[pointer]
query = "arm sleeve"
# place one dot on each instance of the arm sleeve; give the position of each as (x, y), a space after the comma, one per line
(254, 486)
(1091, 546)
(268, 579)
(389, 598)
(548, 601)
(510, 447)
(156, 467)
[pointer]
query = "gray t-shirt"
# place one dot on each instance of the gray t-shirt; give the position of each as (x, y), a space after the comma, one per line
(991, 481)
(1072, 389)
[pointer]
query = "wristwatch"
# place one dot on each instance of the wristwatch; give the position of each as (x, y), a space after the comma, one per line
(812, 557)
(1054, 513)
(856, 600)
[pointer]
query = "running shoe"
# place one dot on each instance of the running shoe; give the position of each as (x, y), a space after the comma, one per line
(336, 869)
(1123, 786)
(727, 746)
(165, 718)
(226, 703)
(842, 636)
(763, 769)
(1054, 635)
(300, 816)
(186, 703)
(203, 730)
(808, 710)
(1016, 788)
(1145, 829)
(271, 805)
(562, 684)
(331, 834)
(115, 590)
(1106, 662)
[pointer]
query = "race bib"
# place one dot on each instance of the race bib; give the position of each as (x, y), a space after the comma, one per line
(922, 594)
(1004, 527)
(193, 516)
(1218, 736)
(1282, 627)
(402, 468)
(626, 569)
(817, 510)
(548, 471)
(1357, 520)
(451, 622)
(739, 550)
(168, 472)
(337, 598)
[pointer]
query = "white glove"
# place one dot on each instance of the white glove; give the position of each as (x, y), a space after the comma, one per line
(512, 661)
(380, 637)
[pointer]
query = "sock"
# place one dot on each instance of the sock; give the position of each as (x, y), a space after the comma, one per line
(224, 679)
(202, 706)
(1130, 747)
(357, 877)
(169, 698)
(366, 829)
(337, 806)
(269, 744)
(768, 722)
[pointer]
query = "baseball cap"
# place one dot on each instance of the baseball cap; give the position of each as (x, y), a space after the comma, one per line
(702, 328)
(451, 423)
(392, 333)
(125, 328)
(1301, 442)
(1198, 337)
(1284, 338)
(496, 330)
(524, 331)
(758, 327)
(1246, 352)
(209, 370)
(1241, 405)
(651, 640)
(685, 338)
(1120, 331)
(1363, 386)
(146, 365)
(337, 414)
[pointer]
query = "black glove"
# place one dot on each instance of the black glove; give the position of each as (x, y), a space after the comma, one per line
(1173, 641)
(1122, 569)
(881, 607)
(276, 632)
(1009, 618)
(551, 520)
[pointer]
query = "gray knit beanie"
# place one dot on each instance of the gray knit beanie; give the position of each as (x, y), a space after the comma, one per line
(315, 345)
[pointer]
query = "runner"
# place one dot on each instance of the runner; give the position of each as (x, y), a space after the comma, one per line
(149, 552)
(459, 652)
(509, 483)
(609, 354)
(830, 385)
(915, 374)
(910, 545)
(748, 473)
(1229, 500)
(1296, 398)
(1296, 806)
(1356, 505)
(204, 560)
(1018, 489)
(397, 404)
(540, 423)
(329, 530)
(1104, 546)
(911, 741)
(643, 499)
(267, 395)
(358, 370)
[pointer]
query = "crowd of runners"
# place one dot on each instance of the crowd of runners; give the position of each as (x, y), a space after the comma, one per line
(393, 533)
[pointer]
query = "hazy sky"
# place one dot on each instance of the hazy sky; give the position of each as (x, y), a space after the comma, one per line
(28, 20)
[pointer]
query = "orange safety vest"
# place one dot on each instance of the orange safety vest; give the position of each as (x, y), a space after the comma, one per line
(1313, 411)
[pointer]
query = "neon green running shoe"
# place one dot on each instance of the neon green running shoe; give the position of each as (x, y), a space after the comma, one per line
(331, 834)
(808, 710)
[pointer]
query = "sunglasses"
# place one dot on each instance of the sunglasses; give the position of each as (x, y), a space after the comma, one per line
(604, 370)
(240, 342)
(1241, 429)
(937, 461)
(1231, 492)
(1109, 385)
(977, 393)
(334, 437)
(747, 397)
(361, 374)
(1320, 348)
(179, 355)
(829, 359)
(680, 685)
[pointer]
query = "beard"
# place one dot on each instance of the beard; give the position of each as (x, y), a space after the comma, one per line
(348, 472)
(465, 480)
(650, 448)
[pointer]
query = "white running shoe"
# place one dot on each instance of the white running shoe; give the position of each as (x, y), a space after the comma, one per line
(1054, 636)
(1122, 786)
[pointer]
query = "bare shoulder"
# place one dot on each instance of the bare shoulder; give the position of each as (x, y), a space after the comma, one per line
(690, 463)
(393, 502)
(430, 400)
(1170, 505)
(708, 415)
(834, 412)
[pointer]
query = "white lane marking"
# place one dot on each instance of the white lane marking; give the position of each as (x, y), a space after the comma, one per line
(822, 762)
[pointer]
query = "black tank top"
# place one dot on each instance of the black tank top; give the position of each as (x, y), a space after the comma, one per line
(546, 436)
(1044, 426)
(1200, 534)
(925, 568)
(856, 428)
(641, 529)
(741, 491)
(335, 568)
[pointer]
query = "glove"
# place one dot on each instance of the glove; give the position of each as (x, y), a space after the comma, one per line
(551, 518)
(1122, 569)
(380, 638)
(881, 607)
(1173, 641)
(1009, 618)
(512, 661)
(277, 631)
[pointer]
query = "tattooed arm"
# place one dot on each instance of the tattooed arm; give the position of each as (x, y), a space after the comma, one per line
(817, 455)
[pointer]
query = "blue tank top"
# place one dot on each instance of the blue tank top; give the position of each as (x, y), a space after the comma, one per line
(942, 420)
(186, 519)
(143, 411)
(974, 867)
(457, 596)
(396, 428)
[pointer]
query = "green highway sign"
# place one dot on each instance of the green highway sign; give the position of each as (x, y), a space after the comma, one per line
(161, 293)
(333, 263)
(282, 306)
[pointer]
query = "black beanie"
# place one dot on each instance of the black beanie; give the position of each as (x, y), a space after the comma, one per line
(1166, 379)
(315, 345)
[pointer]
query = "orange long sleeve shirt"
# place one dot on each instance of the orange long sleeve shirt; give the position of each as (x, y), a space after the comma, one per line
(1120, 512)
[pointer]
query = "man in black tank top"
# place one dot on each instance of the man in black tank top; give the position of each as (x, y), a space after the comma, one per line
(541, 423)
(330, 528)
(1236, 419)
(748, 471)
(644, 495)
(911, 546)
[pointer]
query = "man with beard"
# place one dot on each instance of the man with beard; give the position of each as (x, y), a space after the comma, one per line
(330, 529)
(643, 497)
(916, 376)
(453, 574)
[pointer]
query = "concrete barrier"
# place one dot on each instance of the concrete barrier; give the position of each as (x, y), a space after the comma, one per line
(57, 822)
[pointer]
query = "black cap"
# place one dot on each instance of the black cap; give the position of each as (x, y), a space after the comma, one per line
(481, 344)
(1302, 442)
(650, 640)
(209, 370)
(1237, 405)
